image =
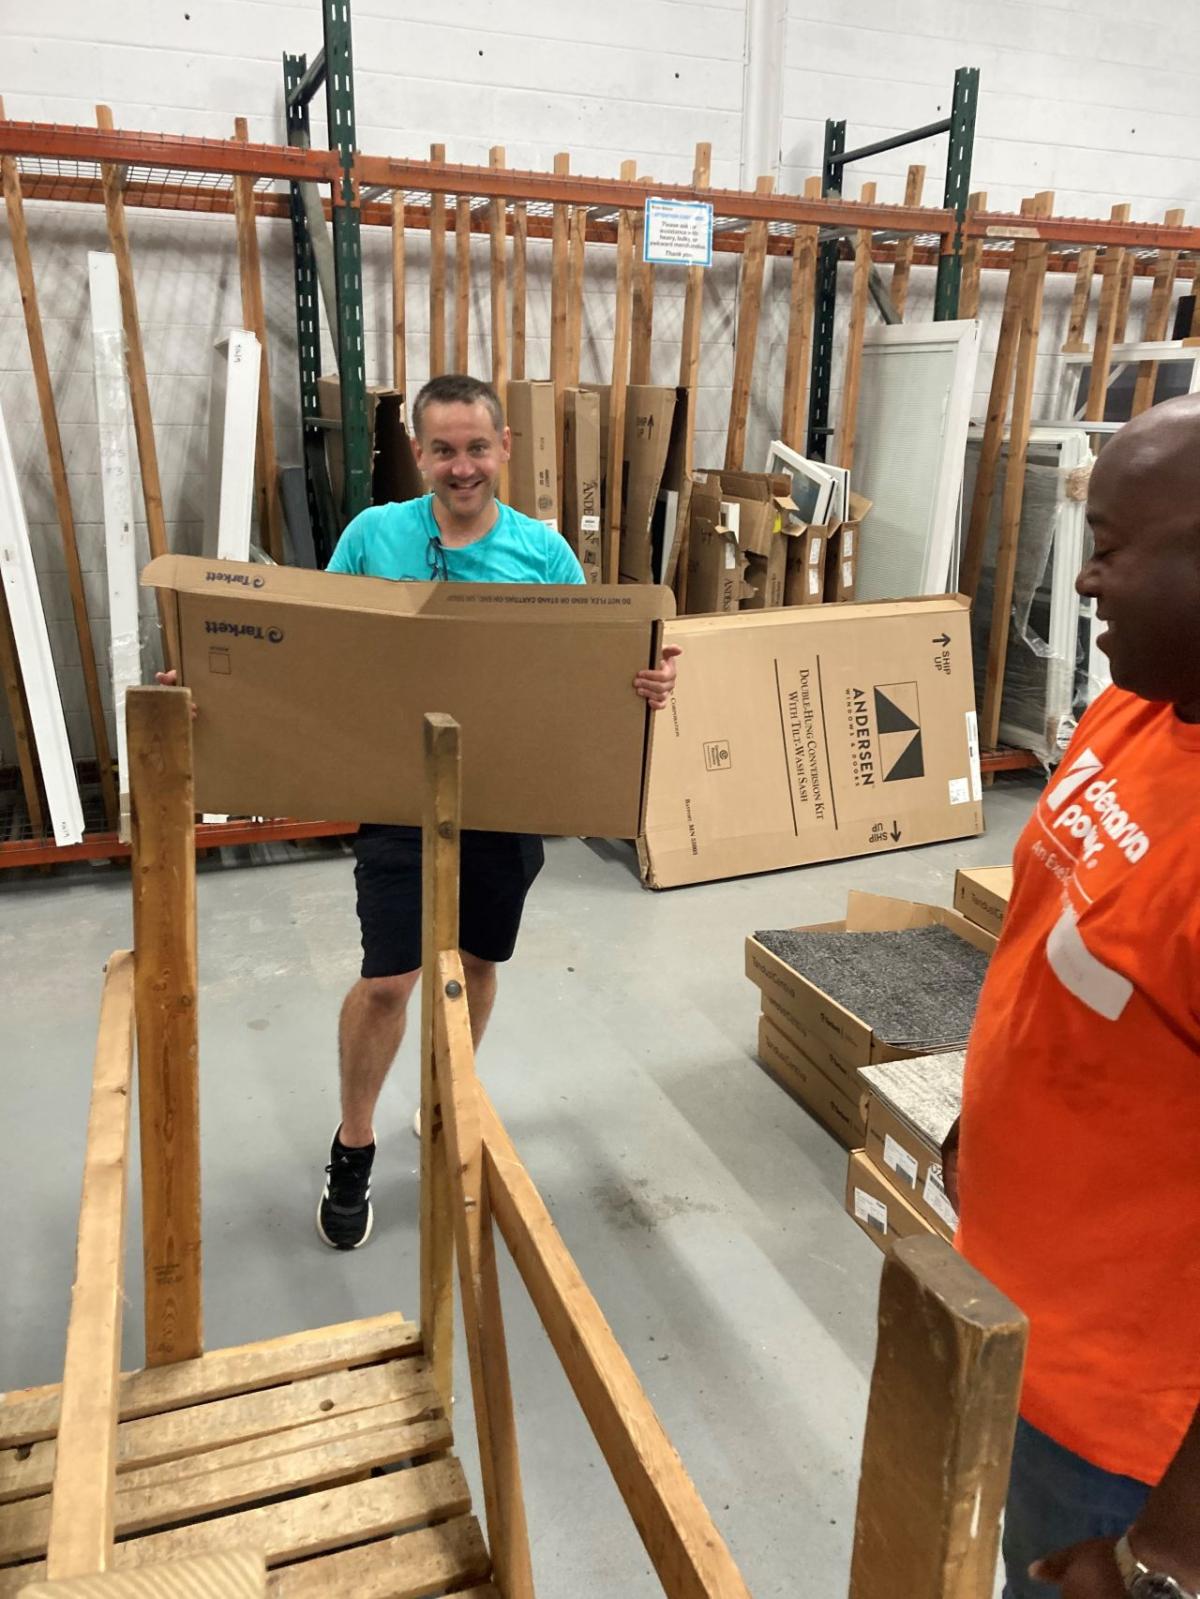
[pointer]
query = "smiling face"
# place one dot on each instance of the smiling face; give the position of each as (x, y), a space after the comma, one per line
(1144, 572)
(460, 452)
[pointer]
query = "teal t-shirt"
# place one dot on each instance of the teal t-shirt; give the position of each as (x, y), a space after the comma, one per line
(397, 541)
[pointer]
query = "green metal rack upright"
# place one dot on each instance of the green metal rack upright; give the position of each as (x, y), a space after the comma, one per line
(960, 125)
(334, 67)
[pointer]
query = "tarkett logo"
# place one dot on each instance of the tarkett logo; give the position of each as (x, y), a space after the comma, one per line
(241, 579)
(885, 734)
(267, 635)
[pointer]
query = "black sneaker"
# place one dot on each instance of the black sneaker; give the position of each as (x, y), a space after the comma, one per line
(344, 1215)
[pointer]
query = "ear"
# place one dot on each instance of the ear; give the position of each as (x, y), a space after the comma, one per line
(506, 444)
(418, 455)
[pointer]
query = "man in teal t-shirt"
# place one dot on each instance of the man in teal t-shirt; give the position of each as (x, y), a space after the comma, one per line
(459, 533)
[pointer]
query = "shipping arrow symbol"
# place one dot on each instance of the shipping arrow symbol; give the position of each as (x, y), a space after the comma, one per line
(944, 639)
(650, 424)
(895, 832)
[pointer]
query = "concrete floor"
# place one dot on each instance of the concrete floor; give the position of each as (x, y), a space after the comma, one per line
(703, 1206)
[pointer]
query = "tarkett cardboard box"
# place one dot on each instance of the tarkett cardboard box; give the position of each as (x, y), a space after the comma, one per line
(982, 895)
(804, 580)
(810, 734)
(911, 1106)
(533, 468)
(581, 479)
(909, 1164)
(311, 690)
(882, 1213)
(837, 1112)
(850, 1040)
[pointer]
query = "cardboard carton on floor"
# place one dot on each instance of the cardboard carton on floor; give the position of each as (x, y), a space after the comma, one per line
(394, 474)
(841, 560)
(911, 1165)
(815, 1048)
(311, 690)
(764, 502)
(982, 894)
(839, 1113)
(809, 733)
(533, 468)
(716, 565)
(911, 1106)
(882, 1212)
(851, 1038)
(804, 577)
(581, 479)
(649, 417)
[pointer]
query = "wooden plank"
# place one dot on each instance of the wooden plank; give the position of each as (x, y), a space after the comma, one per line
(437, 272)
(27, 287)
(232, 1576)
(1014, 484)
(1003, 367)
(30, 1414)
(333, 1518)
(914, 188)
(150, 1441)
(754, 262)
(575, 282)
(1111, 263)
(794, 422)
(427, 1561)
(479, 1283)
(399, 360)
(972, 264)
(79, 1525)
(1124, 292)
(439, 930)
(618, 388)
(159, 722)
(852, 366)
(462, 282)
(254, 317)
(643, 304)
(139, 388)
(18, 713)
(948, 1368)
(520, 237)
(687, 1550)
(693, 306)
(1158, 316)
(1085, 270)
(499, 250)
(559, 290)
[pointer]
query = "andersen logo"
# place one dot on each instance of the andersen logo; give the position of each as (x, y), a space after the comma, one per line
(266, 635)
(885, 734)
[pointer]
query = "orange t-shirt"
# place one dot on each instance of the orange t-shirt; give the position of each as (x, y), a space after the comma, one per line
(1079, 1169)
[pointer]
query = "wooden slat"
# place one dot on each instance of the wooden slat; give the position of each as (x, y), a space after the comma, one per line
(852, 366)
(794, 421)
(479, 1284)
(427, 1561)
(27, 287)
(179, 1434)
(575, 281)
(18, 713)
(30, 1414)
(754, 262)
(643, 304)
(687, 1550)
(693, 307)
(333, 1518)
(618, 389)
(1111, 263)
(437, 272)
(462, 283)
(520, 238)
(1003, 367)
(225, 1576)
(1124, 292)
(1085, 270)
(559, 322)
(972, 263)
(80, 1527)
(399, 358)
(164, 935)
(1014, 484)
(948, 1373)
(439, 930)
(914, 188)
(499, 248)
(254, 317)
(139, 389)
(1158, 316)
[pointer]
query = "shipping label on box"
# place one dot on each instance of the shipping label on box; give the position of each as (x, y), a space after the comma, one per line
(882, 1212)
(853, 724)
(910, 1164)
(533, 467)
(982, 893)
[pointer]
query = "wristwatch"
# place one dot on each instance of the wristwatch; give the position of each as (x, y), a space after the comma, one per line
(1141, 1582)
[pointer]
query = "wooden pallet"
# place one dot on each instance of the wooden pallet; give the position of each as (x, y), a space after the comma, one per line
(329, 1452)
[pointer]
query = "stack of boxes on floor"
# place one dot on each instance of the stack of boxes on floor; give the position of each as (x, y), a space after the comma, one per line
(889, 1104)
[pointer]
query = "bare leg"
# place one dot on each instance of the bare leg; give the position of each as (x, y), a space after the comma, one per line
(370, 1032)
(481, 993)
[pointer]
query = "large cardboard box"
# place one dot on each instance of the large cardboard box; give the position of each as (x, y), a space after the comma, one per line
(982, 895)
(882, 1213)
(311, 690)
(839, 1113)
(850, 1039)
(581, 480)
(809, 734)
(533, 468)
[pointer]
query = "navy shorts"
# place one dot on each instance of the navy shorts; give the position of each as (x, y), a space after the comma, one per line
(497, 872)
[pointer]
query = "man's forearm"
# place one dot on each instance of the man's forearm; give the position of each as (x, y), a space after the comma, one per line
(1166, 1536)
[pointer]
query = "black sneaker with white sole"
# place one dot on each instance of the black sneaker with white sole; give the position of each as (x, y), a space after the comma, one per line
(344, 1215)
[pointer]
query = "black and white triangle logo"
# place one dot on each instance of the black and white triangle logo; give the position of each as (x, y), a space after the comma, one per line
(898, 721)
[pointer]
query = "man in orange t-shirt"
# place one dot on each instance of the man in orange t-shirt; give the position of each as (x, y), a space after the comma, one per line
(1078, 1181)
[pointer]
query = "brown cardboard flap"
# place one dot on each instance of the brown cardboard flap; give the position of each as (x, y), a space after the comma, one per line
(877, 913)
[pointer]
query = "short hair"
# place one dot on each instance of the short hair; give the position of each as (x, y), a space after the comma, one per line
(456, 388)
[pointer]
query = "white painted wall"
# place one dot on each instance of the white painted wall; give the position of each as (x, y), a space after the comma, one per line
(1075, 97)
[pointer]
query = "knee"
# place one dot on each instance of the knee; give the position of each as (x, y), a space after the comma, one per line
(386, 995)
(473, 967)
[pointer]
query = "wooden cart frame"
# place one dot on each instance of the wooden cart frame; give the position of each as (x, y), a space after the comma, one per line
(321, 1463)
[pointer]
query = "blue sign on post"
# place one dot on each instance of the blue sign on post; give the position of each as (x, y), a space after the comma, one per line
(678, 233)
